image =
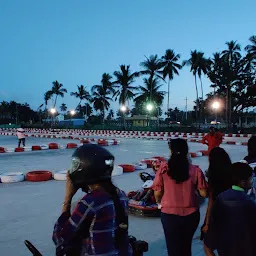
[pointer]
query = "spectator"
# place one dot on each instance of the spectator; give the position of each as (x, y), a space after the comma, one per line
(21, 136)
(233, 223)
(219, 178)
(251, 157)
(99, 223)
(175, 187)
(213, 139)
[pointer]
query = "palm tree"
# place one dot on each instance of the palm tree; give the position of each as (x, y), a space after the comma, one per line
(170, 68)
(47, 96)
(251, 48)
(231, 58)
(110, 115)
(101, 94)
(198, 65)
(232, 53)
(150, 93)
(151, 66)
(81, 94)
(124, 80)
(58, 90)
(100, 101)
(106, 83)
(63, 108)
(203, 67)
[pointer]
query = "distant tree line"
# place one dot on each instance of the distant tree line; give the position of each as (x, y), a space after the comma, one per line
(232, 73)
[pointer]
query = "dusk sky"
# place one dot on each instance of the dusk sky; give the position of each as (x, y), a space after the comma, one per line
(75, 42)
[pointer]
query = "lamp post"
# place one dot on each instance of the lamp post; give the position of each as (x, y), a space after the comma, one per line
(53, 111)
(72, 113)
(149, 108)
(123, 109)
(216, 106)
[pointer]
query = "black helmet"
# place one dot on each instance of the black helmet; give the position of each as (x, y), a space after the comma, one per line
(90, 164)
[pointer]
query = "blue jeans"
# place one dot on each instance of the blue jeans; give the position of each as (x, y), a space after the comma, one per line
(179, 232)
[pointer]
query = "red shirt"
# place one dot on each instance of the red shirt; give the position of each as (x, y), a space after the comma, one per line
(213, 141)
(179, 199)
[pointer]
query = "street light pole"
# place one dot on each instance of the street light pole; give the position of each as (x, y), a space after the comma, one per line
(216, 106)
(123, 109)
(149, 108)
(53, 111)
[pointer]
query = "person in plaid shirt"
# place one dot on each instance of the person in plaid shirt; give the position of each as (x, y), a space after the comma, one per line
(99, 223)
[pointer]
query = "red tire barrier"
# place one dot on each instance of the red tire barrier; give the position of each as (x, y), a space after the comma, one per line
(2, 150)
(71, 145)
(102, 142)
(161, 158)
(127, 167)
(19, 150)
(85, 141)
(53, 146)
(36, 176)
(244, 143)
(34, 148)
(231, 142)
(204, 152)
(193, 155)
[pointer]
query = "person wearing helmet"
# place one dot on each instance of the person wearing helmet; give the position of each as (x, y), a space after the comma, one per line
(99, 223)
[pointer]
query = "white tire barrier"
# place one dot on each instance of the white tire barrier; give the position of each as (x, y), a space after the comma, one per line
(253, 165)
(140, 166)
(118, 170)
(44, 147)
(61, 175)
(110, 142)
(26, 149)
(12, 177)
(10, 150)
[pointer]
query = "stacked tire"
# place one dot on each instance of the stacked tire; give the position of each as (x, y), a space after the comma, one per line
(11, 177)
(37, 176)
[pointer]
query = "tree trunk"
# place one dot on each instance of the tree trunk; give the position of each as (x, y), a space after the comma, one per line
(55, 100)
(230, 109)
(168, 100)
(197, 99)
(227, 106)
(103, 112)
(202, 91)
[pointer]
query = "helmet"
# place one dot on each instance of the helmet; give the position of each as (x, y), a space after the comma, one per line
(90, 164)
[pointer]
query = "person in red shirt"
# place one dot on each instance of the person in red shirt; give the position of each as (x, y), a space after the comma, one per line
(213, 139)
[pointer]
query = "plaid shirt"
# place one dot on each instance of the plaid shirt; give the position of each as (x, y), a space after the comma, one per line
(91, 227)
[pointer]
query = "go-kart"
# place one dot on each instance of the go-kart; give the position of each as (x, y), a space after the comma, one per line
(138, 246)
(142, 202)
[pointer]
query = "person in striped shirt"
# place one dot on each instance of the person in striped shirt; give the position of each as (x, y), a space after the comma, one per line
(99, 223)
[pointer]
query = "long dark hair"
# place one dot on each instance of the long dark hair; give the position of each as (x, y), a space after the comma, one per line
(178, 164)
(219, 176)
(121, 232)
(252, 147)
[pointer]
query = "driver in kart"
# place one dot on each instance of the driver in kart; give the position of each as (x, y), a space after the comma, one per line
(99, 223)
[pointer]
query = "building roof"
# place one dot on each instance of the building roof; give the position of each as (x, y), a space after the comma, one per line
(141, 117)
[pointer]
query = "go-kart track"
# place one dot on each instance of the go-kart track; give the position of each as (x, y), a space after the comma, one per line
(29, 210)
